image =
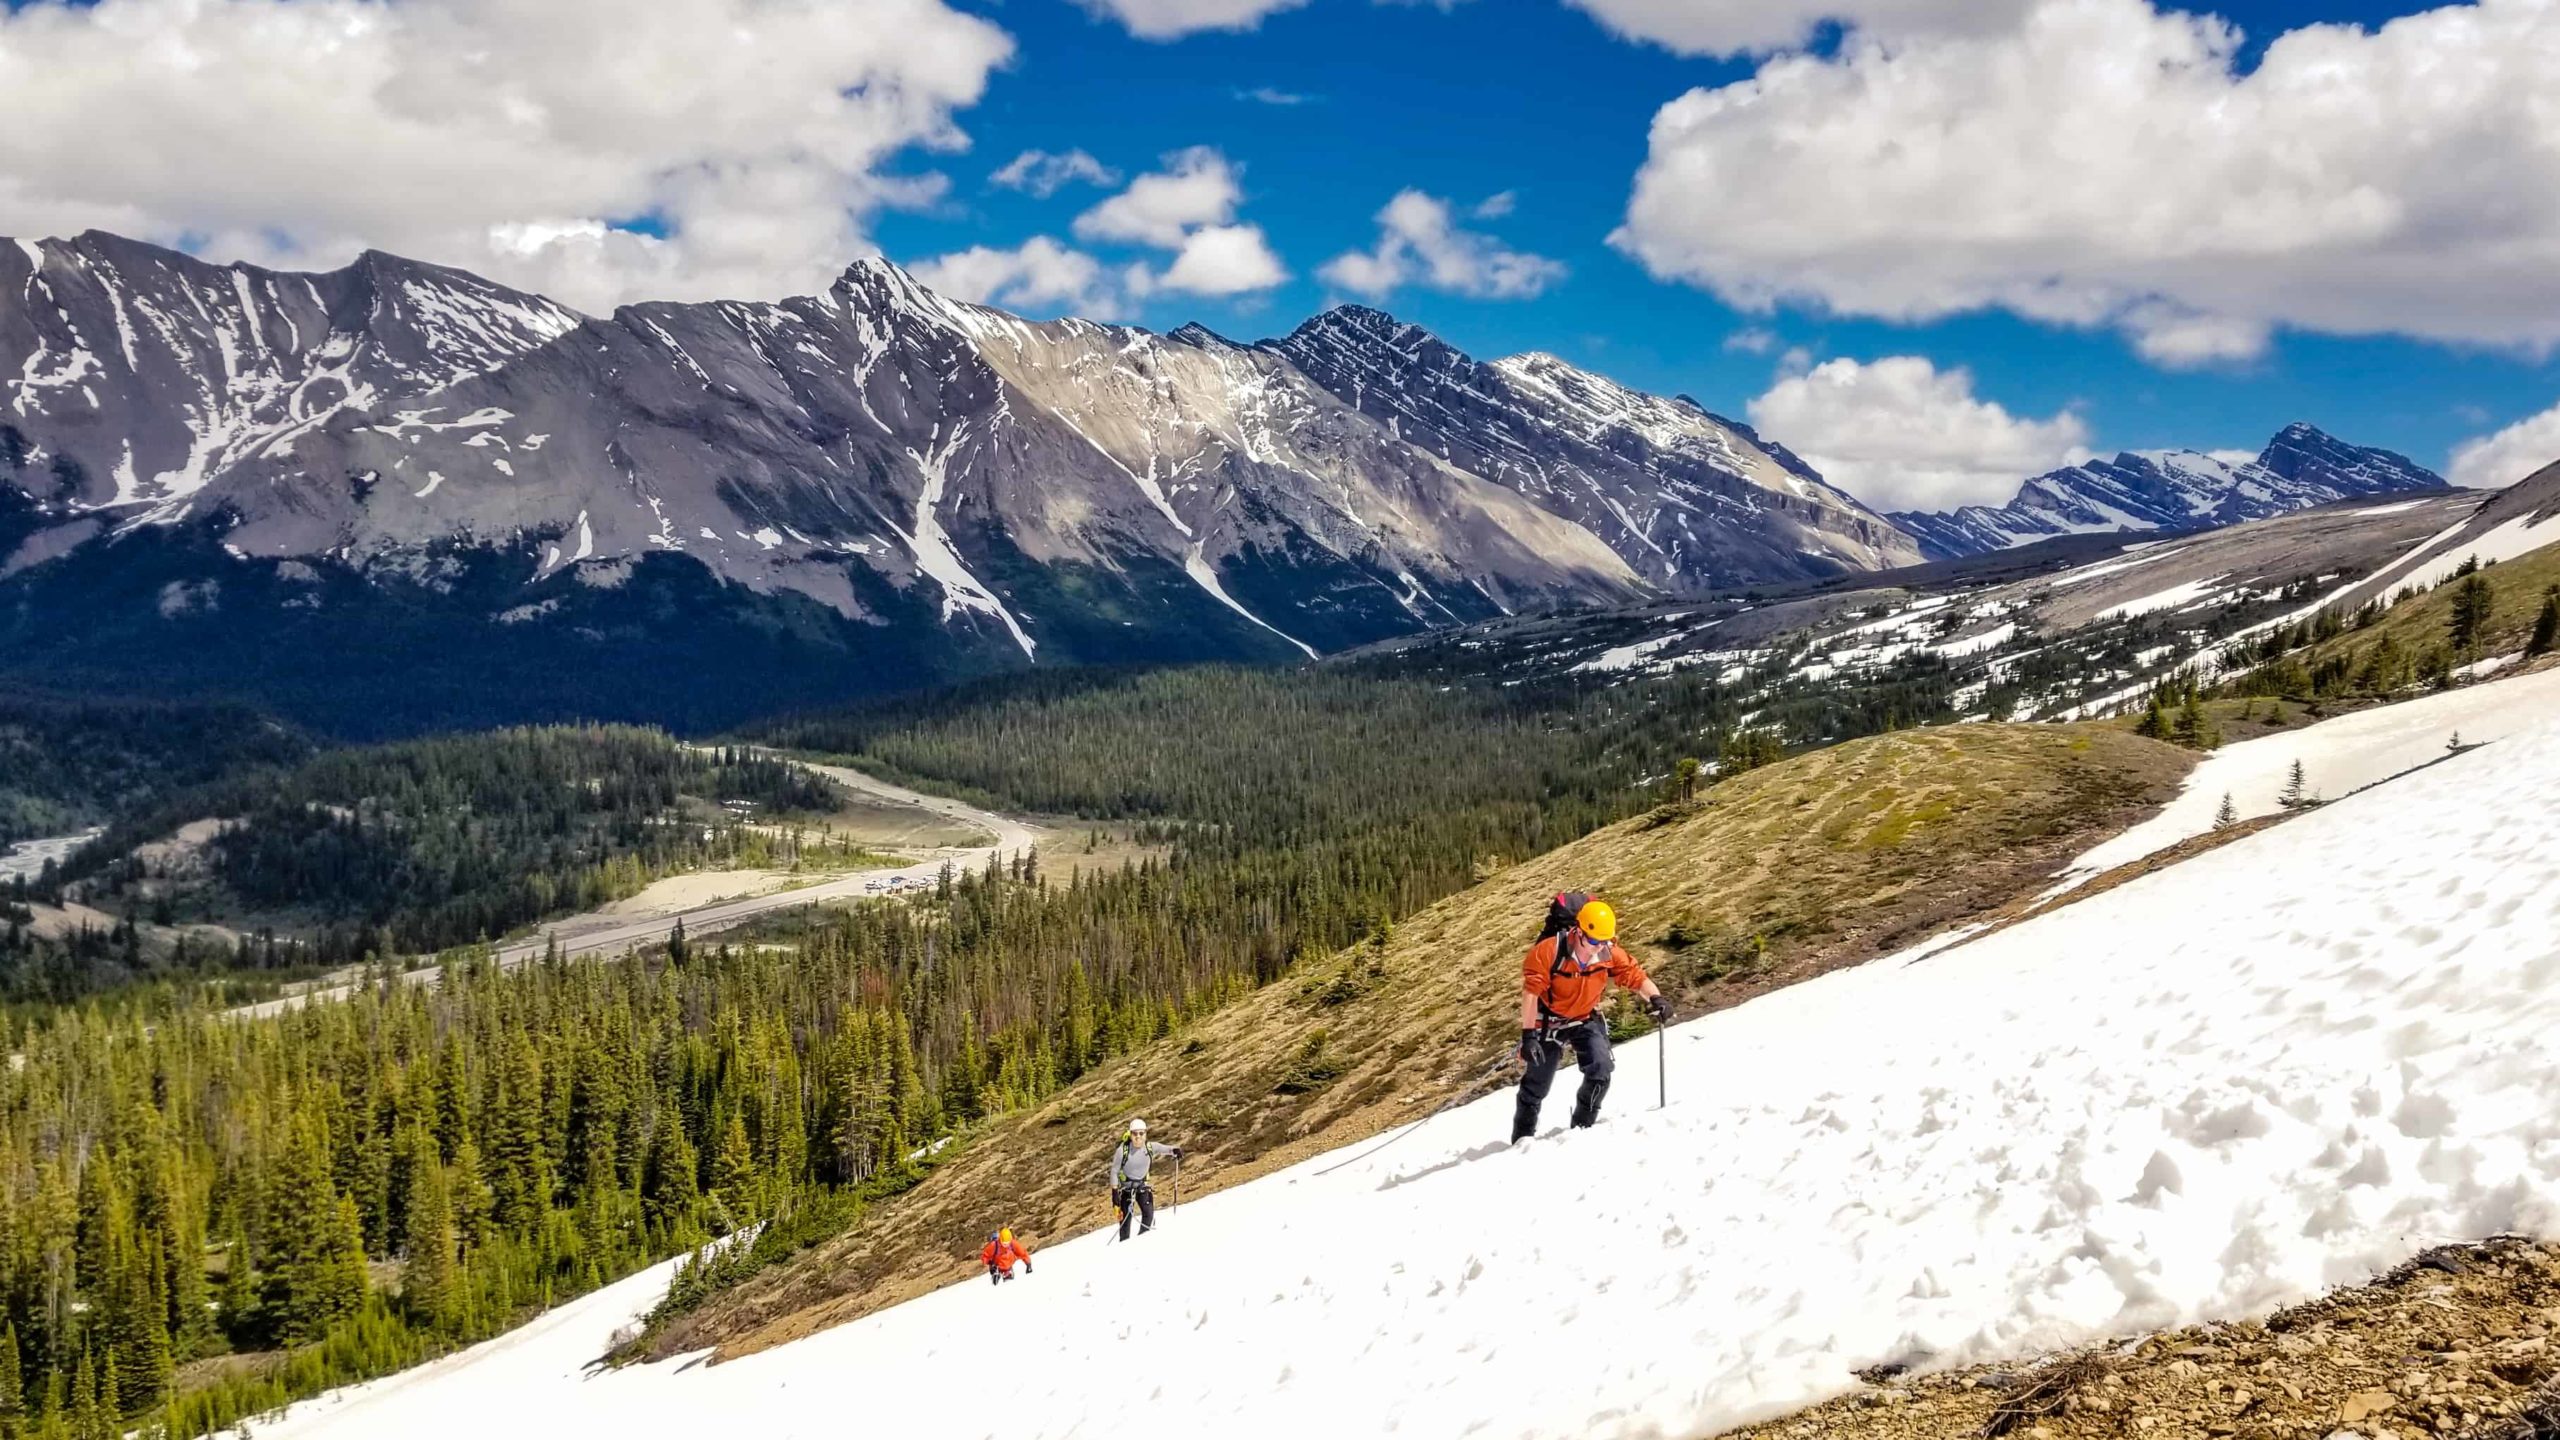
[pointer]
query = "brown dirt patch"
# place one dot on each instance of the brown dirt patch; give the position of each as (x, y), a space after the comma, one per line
(2463, 1343)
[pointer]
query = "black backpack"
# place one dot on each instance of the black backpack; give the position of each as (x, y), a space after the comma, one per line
(1563, 913)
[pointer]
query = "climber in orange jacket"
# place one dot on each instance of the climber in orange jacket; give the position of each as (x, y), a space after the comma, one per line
(1562, 981)
(1000, 1254)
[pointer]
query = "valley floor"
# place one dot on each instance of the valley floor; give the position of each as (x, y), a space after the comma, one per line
(712, 901)
(2216, 1091)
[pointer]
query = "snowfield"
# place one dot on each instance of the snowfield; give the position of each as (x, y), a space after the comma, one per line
(2337, 756)
(2273, 1069)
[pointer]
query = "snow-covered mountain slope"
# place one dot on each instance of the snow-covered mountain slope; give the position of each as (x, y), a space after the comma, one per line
(149, 375)
(2280, 1066)
(2173, 490)
(2513, 522)
(2066, 628)
(1694, 503)
(2338, 756)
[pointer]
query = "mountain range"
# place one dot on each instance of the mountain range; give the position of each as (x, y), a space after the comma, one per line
(2173, 490)
(398, 495)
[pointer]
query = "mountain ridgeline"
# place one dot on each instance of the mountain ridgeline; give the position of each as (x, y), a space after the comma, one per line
(397, 496)
(2173, 490)
(221, 478)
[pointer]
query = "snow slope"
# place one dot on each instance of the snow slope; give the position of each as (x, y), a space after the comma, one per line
(2337, 755)
(2270, 1070)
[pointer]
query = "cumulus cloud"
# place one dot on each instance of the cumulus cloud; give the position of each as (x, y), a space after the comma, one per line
(755, 136)
(1040, 173)
(1220, 260)
(2493, 462)
(1751, 340)
(1173, 19)
(1737, 27)
(1420, 242)
(1039, 276)
(2103, 163)
(1188, 208)
(1902, 434)
(1196, 187)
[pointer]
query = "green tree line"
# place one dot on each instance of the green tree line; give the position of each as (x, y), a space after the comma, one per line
(420, 845)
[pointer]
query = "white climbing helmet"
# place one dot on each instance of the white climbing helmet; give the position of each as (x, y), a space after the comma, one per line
(1137, 1127)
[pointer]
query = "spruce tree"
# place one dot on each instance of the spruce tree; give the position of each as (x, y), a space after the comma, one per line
(2546, 625)
(428, 1282)
(2473, 601)
(2154, 724)
(2191, 727)
(13, 1387)
(733, 1175)
(314, 1244)
(88, 1419)
(2228, 815)
(672, 1200)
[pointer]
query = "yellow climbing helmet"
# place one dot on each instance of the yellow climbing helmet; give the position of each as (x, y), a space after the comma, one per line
(1004, 1236)
(1597, 920)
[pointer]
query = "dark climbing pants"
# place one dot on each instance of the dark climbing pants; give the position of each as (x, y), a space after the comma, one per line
(1141, 1196)
(1590, 1042)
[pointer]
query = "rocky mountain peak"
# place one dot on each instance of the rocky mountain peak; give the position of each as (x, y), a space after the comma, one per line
(2301, 467)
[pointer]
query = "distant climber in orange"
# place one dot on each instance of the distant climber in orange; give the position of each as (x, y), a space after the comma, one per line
(1562, 981)
(1000, 1254)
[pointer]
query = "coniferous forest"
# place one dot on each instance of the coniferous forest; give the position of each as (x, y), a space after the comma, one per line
(66, 763)
(416, 846)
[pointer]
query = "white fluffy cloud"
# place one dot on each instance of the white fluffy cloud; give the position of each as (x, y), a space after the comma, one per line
(1196, 187)
(1420, 242)
(489, 134)
(1219, 260)
(1735, 27)
(2104, 163)
(1039, 276)
(1902, 434)
(1038, 172)
(2493, 462)
(1173, 19)
(1188, 208)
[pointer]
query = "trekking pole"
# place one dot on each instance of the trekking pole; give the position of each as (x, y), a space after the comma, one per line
(1177, 1188)
(1661, 1066)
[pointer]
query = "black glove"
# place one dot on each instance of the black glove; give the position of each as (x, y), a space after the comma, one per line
(1173, 1150)
(1026, 1265)
(1531, 1043)
(1660, 1005)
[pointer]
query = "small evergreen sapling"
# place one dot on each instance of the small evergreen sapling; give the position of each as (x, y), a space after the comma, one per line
(2227, 816)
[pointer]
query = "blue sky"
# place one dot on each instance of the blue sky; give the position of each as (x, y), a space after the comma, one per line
(1965, 240)
(1539, 100)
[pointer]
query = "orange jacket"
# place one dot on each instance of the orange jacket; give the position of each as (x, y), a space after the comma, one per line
(1573, 990)
(1003, 1256)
